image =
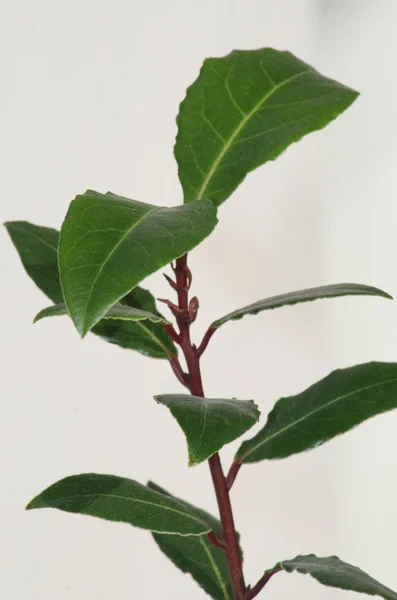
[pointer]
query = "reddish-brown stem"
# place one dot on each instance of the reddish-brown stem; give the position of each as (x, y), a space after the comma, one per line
(178, 371)
(252, 593)
(207, 336)
(231, 476)
(194, 384)
(229, 532)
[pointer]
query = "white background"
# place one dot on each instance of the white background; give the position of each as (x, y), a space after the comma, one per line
(90, 93)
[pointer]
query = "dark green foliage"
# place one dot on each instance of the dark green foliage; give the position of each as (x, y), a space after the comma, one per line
(210, 423)
(333, 572)
(245, 109)
(37, 247)
(198, 556)
(109, 244)
(291, 298)
(120, 499)
(328, 408)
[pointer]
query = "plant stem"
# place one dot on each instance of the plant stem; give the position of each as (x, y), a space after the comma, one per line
(233, 471)
(208, 335)
(229, 533)
(195, 386)
(261, 584)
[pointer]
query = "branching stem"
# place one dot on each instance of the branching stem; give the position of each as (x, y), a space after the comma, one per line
(193, 382)
(233, 471)
(207, 336)
(261, 584)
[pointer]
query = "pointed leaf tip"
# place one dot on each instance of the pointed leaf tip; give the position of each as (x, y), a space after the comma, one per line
(120, 499)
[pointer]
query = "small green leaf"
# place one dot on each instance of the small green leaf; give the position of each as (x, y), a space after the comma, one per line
(328, 408)
(325, 291)
(109, 244)
(198, 556)
(209, 423)
(37, 247)
(120, 499)
(118, 311)
(333, 572)
(245, 109)
(38, 250)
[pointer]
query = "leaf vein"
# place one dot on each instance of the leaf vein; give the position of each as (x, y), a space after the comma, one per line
(239, 128)
(313, 412)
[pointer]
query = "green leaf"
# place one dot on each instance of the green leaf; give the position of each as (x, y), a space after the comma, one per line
(328, 408)
(326, 291)
(146, 337)
(198, 556)
(333, 572)
(37, 247)
(120, 499)
(245, 109)
(118, 311)
(109, 244)
(209, 423)
(38, 250)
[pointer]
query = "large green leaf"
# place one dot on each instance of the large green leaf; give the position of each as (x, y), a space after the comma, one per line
(245, 109)
(109, 244)
(198, 556)
(325, 291)
(333, 572)
(119, 312)
(328, 408)
(37, 247)
(120, 499)
(209, 423)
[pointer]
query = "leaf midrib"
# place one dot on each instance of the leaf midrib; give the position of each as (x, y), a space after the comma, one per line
(123, 237)
(239, 128)
(313, 412)
(214, 566)
(96, 495)
(154, 337)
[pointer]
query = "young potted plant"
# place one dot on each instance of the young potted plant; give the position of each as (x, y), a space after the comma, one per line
(243, 110)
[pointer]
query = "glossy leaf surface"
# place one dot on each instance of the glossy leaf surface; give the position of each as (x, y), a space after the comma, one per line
(37, 247)
(328, 408)
(331, 571)
(109, 244)
(120, 499)
(209, 423)
(119, 312)
(326, 291)
(198, 556)
(245, 109)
